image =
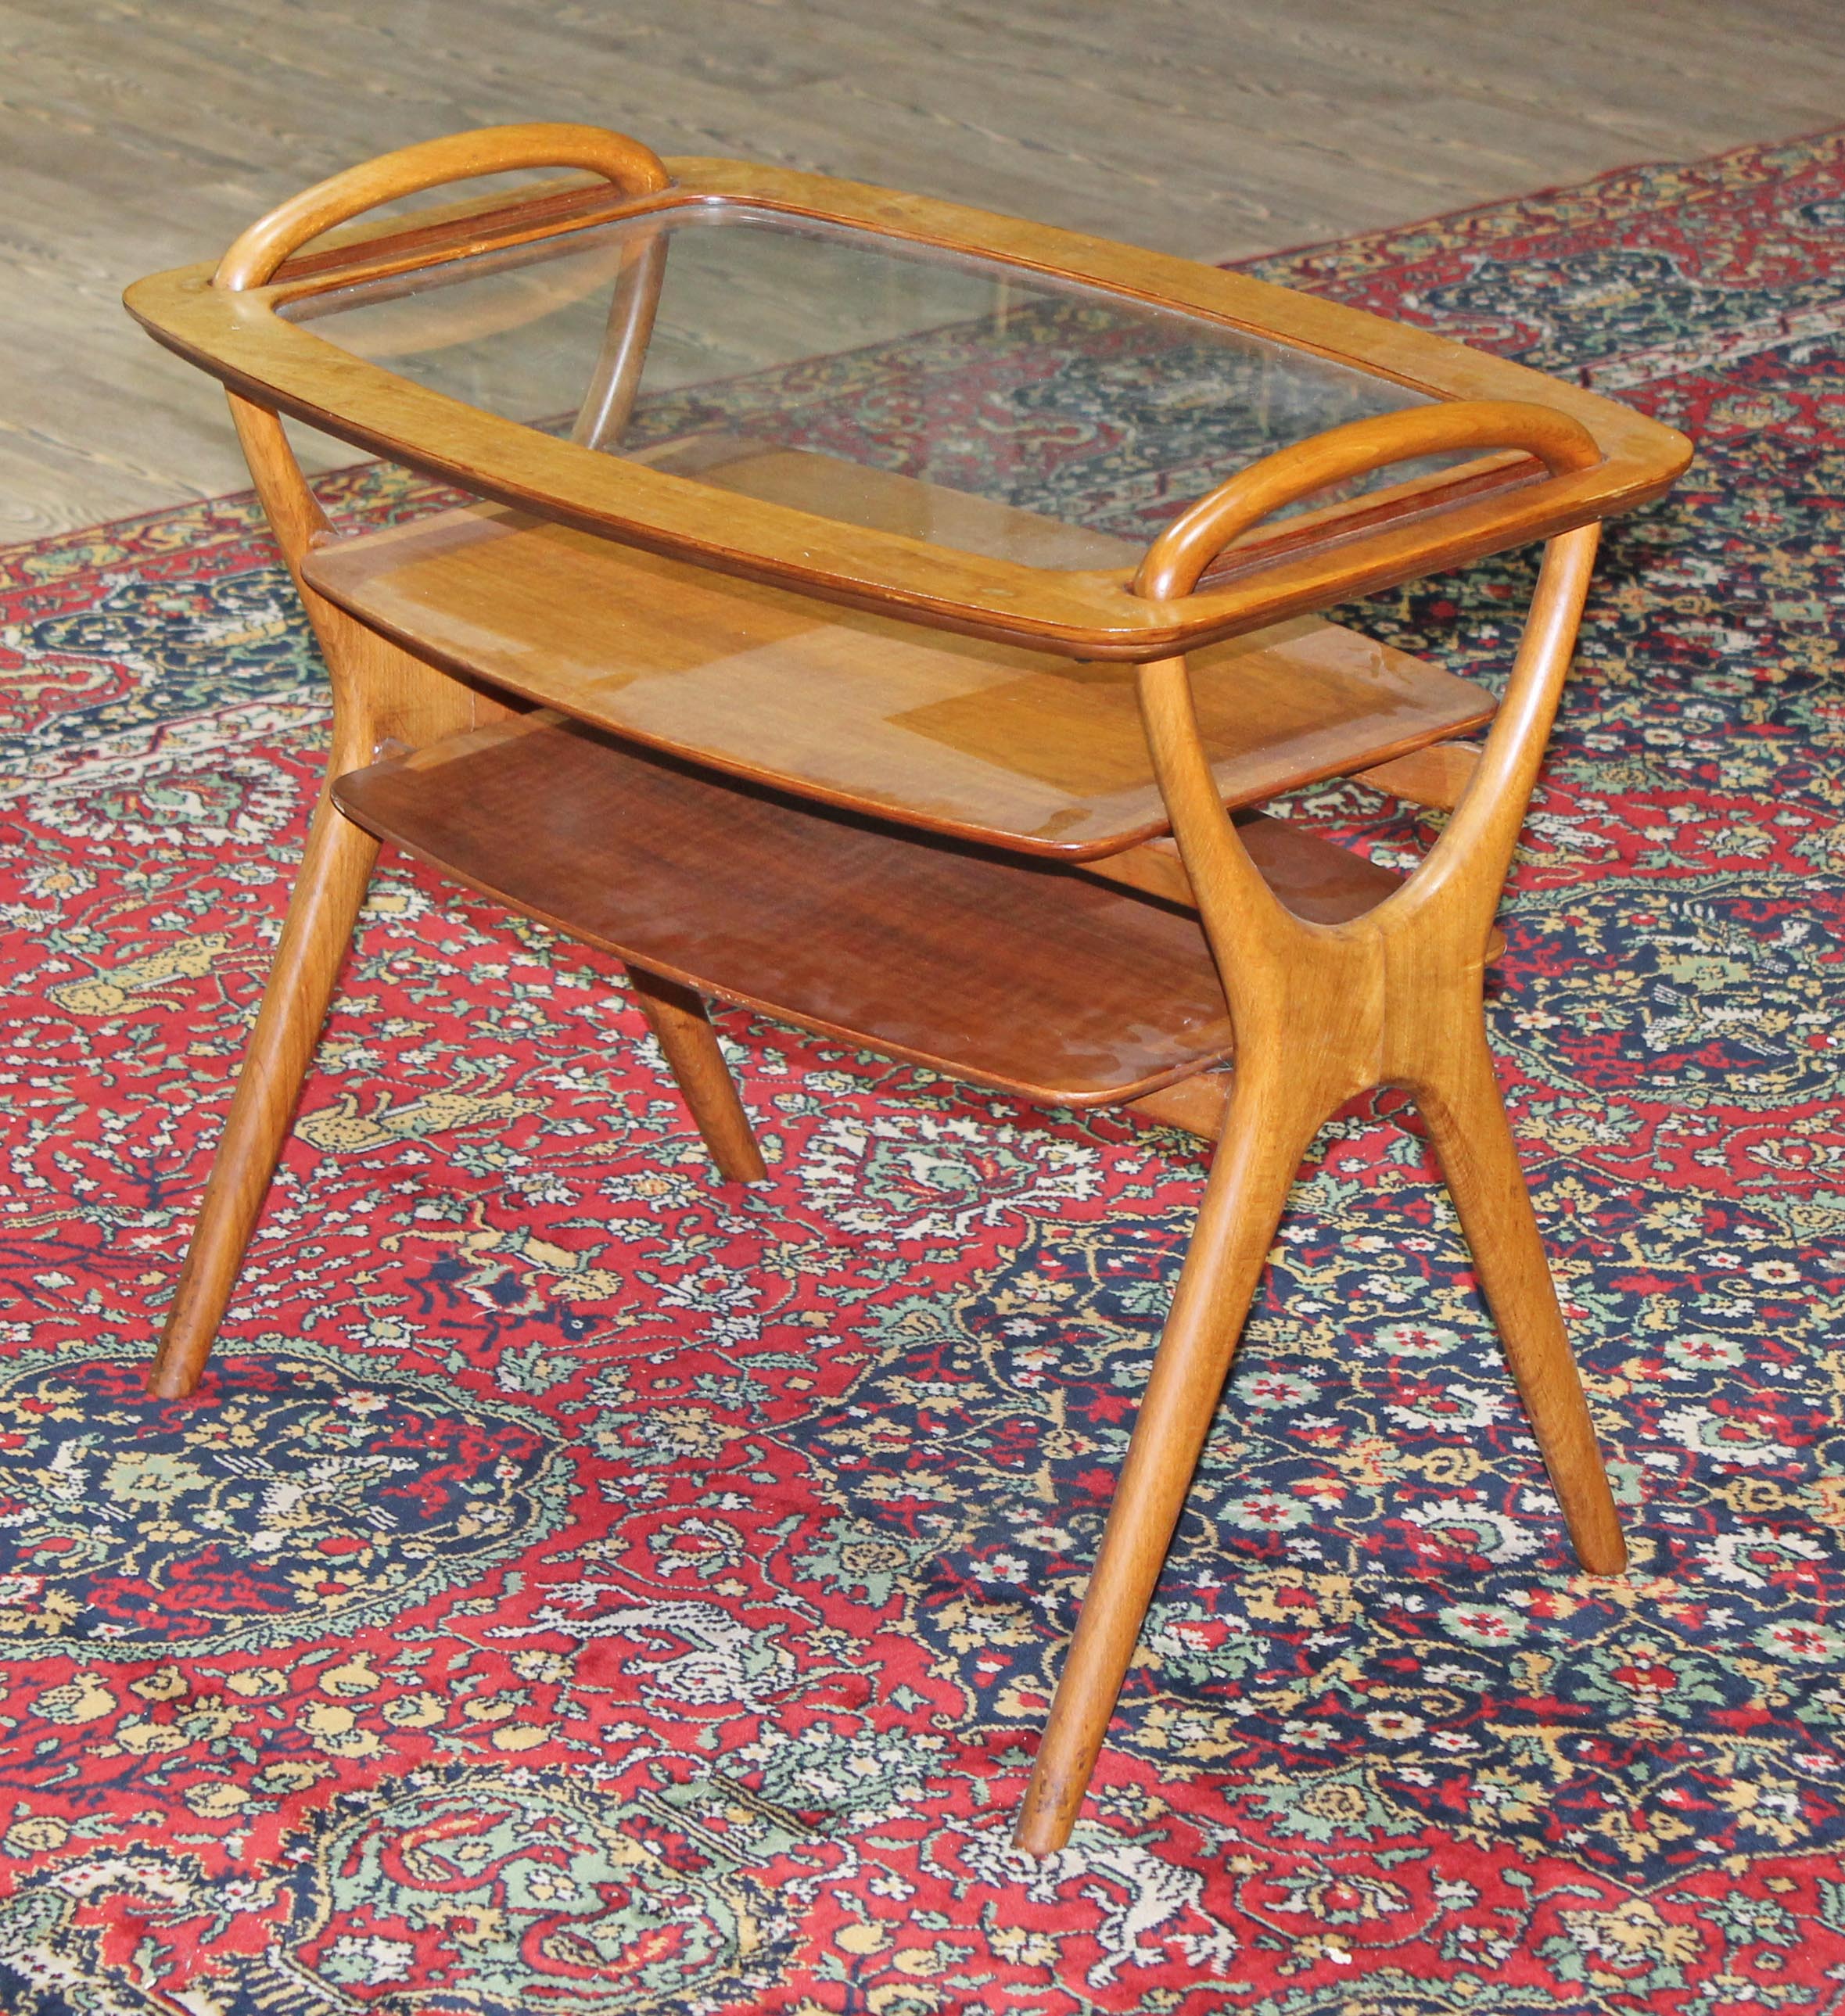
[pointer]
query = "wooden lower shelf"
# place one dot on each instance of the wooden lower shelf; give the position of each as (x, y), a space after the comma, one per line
(1035, 979)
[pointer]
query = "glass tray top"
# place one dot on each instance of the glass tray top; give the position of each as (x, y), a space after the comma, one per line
(901, 405)
(943, 394)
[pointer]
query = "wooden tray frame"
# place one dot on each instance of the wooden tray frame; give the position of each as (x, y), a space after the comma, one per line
(231, 329)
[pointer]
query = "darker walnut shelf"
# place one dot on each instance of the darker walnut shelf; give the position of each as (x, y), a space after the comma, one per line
(1023, 975)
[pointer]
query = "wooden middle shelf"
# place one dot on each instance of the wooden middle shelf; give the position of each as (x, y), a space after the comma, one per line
(1024, 975)
(982, 741)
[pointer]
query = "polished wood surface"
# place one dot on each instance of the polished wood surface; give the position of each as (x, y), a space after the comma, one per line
(682, 1027)
(614, 382)
(984, 741)
(1322, 1012)
(1013, 974)
(1069, 982)
(380, 695)
(1309, 883)
(1179, 554)
(236, 335)
(255, 255)
(1435, 776)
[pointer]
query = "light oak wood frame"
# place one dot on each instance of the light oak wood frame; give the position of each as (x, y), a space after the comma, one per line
(1320, 1012)
(1351, 550)
(383, 696)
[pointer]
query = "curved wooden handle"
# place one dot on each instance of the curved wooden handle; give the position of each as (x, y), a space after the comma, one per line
(1172, 563)
(487, 150)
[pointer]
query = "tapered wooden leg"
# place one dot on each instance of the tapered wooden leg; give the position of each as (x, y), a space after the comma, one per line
(682, 1027)
(335, 872)
(1473, 1138)
(1260, 1151)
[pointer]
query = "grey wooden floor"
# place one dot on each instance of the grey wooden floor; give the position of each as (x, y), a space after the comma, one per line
(134, 136)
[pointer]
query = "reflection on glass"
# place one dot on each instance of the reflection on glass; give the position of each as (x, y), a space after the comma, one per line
(936, 393)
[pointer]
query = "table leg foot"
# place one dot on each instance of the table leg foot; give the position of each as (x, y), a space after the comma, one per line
(1266, 1133)
(335, 872)
(682, 1029)
(1467, 1121)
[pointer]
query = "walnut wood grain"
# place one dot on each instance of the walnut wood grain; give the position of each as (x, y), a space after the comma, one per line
(950, 734)
(983, 966)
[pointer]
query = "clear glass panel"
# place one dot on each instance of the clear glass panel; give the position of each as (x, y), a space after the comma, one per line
(880, 383)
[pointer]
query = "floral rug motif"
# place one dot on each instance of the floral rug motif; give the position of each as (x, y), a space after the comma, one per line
(584, 1588)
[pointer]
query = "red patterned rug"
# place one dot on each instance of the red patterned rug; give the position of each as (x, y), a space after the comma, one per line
(584, 1588)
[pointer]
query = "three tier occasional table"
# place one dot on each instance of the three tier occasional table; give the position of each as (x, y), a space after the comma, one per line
(890, 617)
